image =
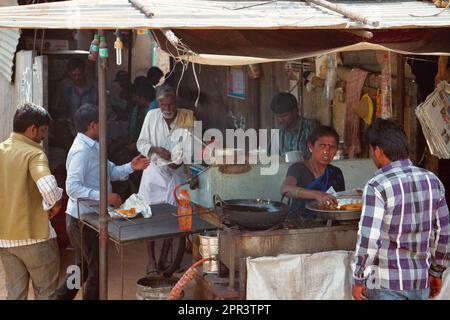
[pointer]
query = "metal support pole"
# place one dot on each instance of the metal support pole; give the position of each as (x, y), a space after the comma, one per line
(103, 219)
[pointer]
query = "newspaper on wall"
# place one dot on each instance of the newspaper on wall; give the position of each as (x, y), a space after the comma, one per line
(434, 116)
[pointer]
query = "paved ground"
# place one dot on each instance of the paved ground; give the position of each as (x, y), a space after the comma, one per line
(135, 257)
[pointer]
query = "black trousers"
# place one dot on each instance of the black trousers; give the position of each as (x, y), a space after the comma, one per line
(89, 269)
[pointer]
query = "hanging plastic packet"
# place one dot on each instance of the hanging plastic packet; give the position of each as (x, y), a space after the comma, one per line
(386, 87)
(103, 52)
(331, 76)
(94, 49)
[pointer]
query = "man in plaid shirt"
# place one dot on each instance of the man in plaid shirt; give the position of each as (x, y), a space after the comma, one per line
(403, 244)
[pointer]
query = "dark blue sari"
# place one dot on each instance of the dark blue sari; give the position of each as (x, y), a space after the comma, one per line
(332, 177)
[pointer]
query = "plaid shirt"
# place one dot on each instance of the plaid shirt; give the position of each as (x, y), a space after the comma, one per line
(404, 229)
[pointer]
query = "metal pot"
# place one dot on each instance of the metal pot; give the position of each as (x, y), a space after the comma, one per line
(251, 214)
(293, 156)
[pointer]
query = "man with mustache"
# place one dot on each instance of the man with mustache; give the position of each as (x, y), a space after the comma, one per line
(160, 131)
(29, 198)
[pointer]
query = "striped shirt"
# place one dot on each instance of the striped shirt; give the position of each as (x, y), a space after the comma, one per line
(404, 229)
(50, 192)
(297, 140)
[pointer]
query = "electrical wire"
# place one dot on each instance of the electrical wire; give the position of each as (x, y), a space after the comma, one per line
(251, 6)
(198, 84)
(423, 155)
(430, 15)
(182, 50)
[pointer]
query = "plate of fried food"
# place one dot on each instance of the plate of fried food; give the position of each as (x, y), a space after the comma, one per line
(347, 208)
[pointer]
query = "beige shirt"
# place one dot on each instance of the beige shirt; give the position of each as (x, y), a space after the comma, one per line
(22, 163)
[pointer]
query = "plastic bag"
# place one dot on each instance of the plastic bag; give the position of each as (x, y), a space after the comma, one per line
(134, 201)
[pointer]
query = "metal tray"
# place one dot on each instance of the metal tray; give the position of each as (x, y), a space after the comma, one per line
(353, 214)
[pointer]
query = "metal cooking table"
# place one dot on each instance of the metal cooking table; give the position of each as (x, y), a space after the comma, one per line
(163, 224)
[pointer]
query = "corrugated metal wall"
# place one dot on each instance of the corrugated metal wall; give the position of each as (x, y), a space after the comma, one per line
(6, 108)
(8, 45)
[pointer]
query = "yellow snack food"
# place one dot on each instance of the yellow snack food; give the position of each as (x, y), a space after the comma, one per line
(128, 213)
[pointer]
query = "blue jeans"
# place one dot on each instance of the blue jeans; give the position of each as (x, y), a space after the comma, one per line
(387, 294)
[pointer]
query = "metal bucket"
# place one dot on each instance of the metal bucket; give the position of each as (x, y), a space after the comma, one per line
(155, 288)
(209, 246)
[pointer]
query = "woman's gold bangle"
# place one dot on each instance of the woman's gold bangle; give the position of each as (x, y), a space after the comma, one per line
(298, 191)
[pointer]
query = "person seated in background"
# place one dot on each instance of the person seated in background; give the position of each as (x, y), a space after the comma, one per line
(311, 179)
(119, 94)
(154, 75)
(295, 130)
(143, 97)
(74, 90)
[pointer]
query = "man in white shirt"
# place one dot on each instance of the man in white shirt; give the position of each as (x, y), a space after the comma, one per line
(160, 132)
(29, 198)
(83, 167)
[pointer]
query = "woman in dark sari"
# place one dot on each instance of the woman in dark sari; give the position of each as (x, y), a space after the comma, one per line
(311, 179)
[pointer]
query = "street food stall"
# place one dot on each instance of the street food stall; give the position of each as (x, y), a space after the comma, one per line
(162, 224)
(238, 39)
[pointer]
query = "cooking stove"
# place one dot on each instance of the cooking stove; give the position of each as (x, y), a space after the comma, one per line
(295, 237)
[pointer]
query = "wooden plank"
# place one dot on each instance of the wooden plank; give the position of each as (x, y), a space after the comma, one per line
(243, 278)
(400, 88)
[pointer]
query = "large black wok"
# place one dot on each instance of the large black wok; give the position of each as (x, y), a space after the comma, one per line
(250, 214)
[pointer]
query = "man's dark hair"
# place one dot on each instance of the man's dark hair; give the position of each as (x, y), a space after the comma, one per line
(323, 131)
(283, 102)
(75, 63)
(154, 73)
(29, 114)
(86, 114)
(142, 81)
(389, 136)
(122, 78)
(148, 93)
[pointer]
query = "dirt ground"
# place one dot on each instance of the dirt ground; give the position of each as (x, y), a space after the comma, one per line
(135, 261)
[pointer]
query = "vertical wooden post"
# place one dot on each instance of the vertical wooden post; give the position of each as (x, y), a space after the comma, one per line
(400, 89)
(243, 278)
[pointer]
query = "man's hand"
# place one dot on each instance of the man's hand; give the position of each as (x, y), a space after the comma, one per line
(54, 210)
(140, 163)
(435, 285)
(114, 200)
(359, 292)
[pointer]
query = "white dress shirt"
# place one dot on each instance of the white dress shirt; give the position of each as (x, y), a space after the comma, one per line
(83, 173)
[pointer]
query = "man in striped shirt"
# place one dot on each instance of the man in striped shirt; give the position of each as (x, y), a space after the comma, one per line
(29, 198)
(403, 239)
(294, 129)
